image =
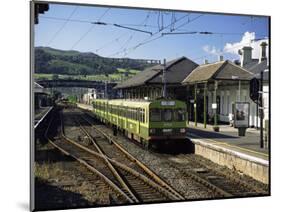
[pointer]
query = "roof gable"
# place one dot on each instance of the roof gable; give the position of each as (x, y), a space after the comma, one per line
(177, 70)
(223, 70)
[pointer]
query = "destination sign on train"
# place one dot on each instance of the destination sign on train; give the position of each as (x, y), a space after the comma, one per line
(168, 103)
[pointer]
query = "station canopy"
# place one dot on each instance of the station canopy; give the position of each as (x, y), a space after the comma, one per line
(222, 70)
(176, 71)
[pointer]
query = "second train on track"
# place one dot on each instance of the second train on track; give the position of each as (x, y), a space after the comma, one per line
(148, 122)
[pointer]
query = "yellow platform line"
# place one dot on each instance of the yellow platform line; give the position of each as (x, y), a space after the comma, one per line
(226, 144)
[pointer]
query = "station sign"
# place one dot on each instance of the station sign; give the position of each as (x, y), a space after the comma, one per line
(168, 103)
(241, 111)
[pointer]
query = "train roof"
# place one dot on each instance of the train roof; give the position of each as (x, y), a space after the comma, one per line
(140, 102)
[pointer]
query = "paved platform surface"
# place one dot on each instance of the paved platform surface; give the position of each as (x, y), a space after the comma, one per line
(228, 138)
(85, 106)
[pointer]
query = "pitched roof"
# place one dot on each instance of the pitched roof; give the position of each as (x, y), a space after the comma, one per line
(257, 67)
(176, 71)
(222, 70)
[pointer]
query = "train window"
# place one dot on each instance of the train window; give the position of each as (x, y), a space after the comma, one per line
(167, 115)
(141, 115)
(135, 114)
(155, 115)
(179, 115)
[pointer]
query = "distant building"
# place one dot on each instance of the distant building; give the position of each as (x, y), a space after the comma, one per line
(41, 96)
(92, 94)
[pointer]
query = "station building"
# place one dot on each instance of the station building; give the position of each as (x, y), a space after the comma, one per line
(258, 66)
(204, 87)
(148, 84)
(213, 88)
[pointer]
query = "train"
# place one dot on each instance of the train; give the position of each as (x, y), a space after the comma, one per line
(148, 122)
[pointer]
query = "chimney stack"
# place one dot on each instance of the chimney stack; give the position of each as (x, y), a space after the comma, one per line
(206, 61)
(220, 58)
(245, 55)
(263, 52)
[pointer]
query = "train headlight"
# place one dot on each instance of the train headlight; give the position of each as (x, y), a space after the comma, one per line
(182, 130)
(152, 131)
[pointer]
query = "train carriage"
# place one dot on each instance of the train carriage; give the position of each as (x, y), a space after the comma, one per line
(148, 122)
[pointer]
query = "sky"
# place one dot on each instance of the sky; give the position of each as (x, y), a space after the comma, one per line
(70, 27)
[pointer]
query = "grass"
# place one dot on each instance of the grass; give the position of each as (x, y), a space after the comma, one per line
(115, 77)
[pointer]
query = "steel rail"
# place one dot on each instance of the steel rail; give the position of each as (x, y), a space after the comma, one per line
(91, 168)
(112, 169)
(190, 174)
(148, 171)
(158, 187)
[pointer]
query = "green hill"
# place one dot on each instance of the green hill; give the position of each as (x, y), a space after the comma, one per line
(54, 61)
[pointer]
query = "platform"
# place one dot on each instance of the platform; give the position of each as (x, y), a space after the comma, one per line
(85, 106)
(242, 153)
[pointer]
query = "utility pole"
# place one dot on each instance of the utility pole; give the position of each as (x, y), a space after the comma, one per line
(216, 106)
(164, 80)
(261, 111)
(205, 106)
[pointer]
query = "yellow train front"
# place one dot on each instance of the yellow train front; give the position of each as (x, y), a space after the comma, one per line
(148, 122)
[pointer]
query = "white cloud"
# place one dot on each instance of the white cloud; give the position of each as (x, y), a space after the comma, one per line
(247, 40)
(211, 50)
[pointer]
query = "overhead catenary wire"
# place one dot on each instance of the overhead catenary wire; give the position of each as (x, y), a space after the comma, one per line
(62, 26)
(147, 40)
(143, 23)
(89, 29)
(91, 22)
(185, 23)
(126, 43)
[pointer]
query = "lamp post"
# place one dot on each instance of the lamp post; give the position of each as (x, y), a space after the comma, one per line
(261, 111)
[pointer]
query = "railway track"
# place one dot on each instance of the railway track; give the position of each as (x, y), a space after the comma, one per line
(68, 148)
(222, 184)
(132, 185)
(106, 145)
(225, 179)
